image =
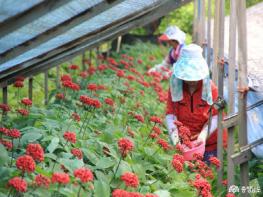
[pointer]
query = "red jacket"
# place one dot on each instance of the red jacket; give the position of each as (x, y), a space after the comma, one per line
(193, 112)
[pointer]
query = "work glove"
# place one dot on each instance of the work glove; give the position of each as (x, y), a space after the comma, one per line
(203, 135)
(172, 128)
(174, 137)
(160, 67)
(204, 132)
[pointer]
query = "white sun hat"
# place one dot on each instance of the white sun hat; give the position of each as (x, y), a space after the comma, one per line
(191, 66)
(173, 33)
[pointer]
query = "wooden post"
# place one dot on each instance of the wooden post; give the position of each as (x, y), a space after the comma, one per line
(5, 95)
(118, 44)
(30, 88)
(195, 34)
(215, 43)
(5, 101)
(209, 33)
(242, 84)
(231, 96)
(202, 41)
(97, 54)
(220, 66)
(46, 86)
(90, 57)
(58, 76)
(83, 58)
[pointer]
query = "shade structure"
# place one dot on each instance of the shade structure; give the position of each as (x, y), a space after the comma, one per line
(65, 29)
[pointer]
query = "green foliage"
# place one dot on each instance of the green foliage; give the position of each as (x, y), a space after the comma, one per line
(181, 17)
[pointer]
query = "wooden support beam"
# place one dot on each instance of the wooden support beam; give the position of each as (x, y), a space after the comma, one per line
(46, 86)
(220, 72)
(242, 157)
(57, 30)
(22, 19)
(30, 88)
(230, 121)
(215, 42)
(245, 152)
(231, 101)
(209, 33)
(232, 55)
(83, 58)
(90, 57)
(5, 95)
(242, 83)
(5, 101)
(97, 52)
(62, 54)
(118, 44)
(58, 77)
(230, 152)
(195, 22)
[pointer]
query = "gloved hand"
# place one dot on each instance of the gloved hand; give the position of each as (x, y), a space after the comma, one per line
(172, 128)
(159, 67)
(203, 135)
(173, 134)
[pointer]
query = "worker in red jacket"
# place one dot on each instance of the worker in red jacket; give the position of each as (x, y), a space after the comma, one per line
(190, 97)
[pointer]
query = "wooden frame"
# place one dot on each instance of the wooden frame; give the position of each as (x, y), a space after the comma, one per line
(57, 30)
(35, 12)
(64, 53)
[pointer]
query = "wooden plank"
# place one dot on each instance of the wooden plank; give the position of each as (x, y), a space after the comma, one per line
(118, 44)
(5, 101)
(90, 35)
(232, 55)
(5, 95)
(65, 53)
(242, 83)
(195, 22)
(220, 73)
(83, 58)
(233, 119)
(58, 77)
(231, 100)
(209, 33)
(57, 30)
(46, 86)
(215, 43)
(241, 158)
(230, 152)
(27, 16)
(202, 19)
(97, 52)
(30, 88)
(230, 121)
(245, 152)
(90, 57)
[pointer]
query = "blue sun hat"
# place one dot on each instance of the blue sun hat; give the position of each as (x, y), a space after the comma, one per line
(191, 66)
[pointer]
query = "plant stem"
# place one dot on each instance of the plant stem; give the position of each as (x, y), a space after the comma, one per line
(79, 191)
(155, 151)
(87, 122)
(12, 154)
(149, 135)
(53, 165)
(9, 193)
(85, 118)
(117, 168)
(69, 125)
